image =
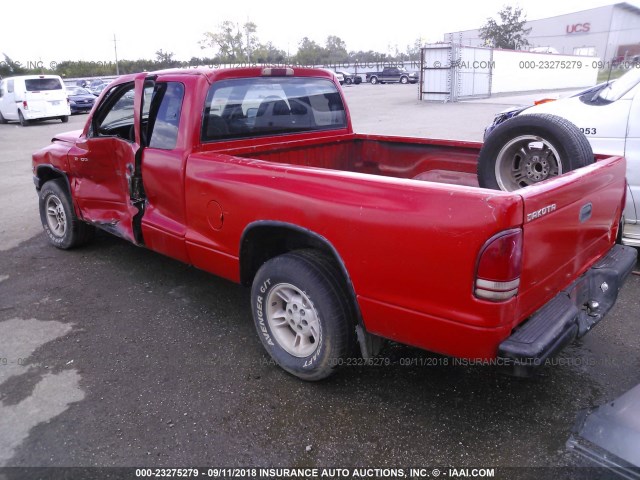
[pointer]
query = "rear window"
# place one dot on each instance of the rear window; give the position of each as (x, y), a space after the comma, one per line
(252, 107)
(40, 84)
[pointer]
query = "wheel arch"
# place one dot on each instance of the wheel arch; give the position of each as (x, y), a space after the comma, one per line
(263, 240)
(46, 173)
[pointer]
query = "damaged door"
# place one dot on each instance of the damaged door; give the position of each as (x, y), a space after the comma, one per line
(105, 163)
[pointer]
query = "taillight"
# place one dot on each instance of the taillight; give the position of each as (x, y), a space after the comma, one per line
(499, 266)
(24, 105)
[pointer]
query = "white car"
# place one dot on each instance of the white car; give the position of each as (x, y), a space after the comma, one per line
(609, 116)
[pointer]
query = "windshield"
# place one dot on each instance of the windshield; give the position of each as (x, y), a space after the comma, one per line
(616, 89)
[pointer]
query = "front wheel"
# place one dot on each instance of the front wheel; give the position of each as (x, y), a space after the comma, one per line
(302, 314)
(64, 119)
(2, 119)
(59, 221)
(528, 149)
(404, 80)
(348, 81)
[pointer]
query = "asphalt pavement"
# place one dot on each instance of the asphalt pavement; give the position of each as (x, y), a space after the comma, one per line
(112, 355)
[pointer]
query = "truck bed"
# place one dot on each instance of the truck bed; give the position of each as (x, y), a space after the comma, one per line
(441, 161)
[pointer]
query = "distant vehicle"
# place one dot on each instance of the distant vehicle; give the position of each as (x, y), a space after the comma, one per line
(340, 78)
(96, 82)
(350, 78)
(392, 75)
(33, 97)
(80, 99)
(97, 90)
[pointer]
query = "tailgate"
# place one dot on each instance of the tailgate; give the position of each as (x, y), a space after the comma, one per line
(569, 223)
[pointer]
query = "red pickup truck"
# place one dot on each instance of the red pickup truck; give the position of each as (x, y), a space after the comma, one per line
(256, 175)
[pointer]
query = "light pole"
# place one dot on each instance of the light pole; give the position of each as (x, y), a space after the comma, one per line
(115, 48)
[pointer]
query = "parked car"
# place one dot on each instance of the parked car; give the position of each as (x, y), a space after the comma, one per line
(609, 116)
(80, 99)
(256, 175)
(33, 97)
(392, 75)
(97, 89)
(350, 78)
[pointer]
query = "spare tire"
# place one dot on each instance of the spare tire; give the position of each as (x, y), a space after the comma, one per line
(528, 149)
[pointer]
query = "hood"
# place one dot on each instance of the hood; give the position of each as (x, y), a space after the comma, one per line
(68, 137)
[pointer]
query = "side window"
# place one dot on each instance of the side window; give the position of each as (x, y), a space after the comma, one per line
(165, 115)
(10, 86)
(114, 117)
(251, 107)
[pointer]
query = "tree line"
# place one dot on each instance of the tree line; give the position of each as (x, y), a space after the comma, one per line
(233, 43)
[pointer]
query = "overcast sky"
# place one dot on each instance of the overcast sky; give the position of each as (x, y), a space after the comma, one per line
(55, 31)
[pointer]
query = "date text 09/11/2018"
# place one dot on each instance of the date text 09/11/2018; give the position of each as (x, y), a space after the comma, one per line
(332, 473)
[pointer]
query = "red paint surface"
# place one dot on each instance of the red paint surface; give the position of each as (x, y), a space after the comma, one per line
(410, 247)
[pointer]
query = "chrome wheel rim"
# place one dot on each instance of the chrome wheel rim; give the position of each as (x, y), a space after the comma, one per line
(293, 320)
(526, 160)
(56, 218)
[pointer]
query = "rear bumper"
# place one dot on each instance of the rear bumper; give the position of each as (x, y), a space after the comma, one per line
(569, 315)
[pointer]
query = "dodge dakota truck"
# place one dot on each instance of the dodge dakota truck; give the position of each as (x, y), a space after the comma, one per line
(256, 175)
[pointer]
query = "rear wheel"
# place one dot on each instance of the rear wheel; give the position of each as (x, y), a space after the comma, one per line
(348, 81)
(58, 219)
(528, 149)
(64, 119)
(404, 80)
(22, 120)
(2, 119)
(302, 313)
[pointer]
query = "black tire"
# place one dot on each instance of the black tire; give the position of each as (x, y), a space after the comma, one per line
(374, 80)
(404, 80)
(528, 149)
(298, 287)
(58, 218)
(357, 80)
(2, 119)
(22, 120)
(64, 119)
(348, 81)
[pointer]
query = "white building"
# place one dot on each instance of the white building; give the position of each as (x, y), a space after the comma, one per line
(608, 32)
